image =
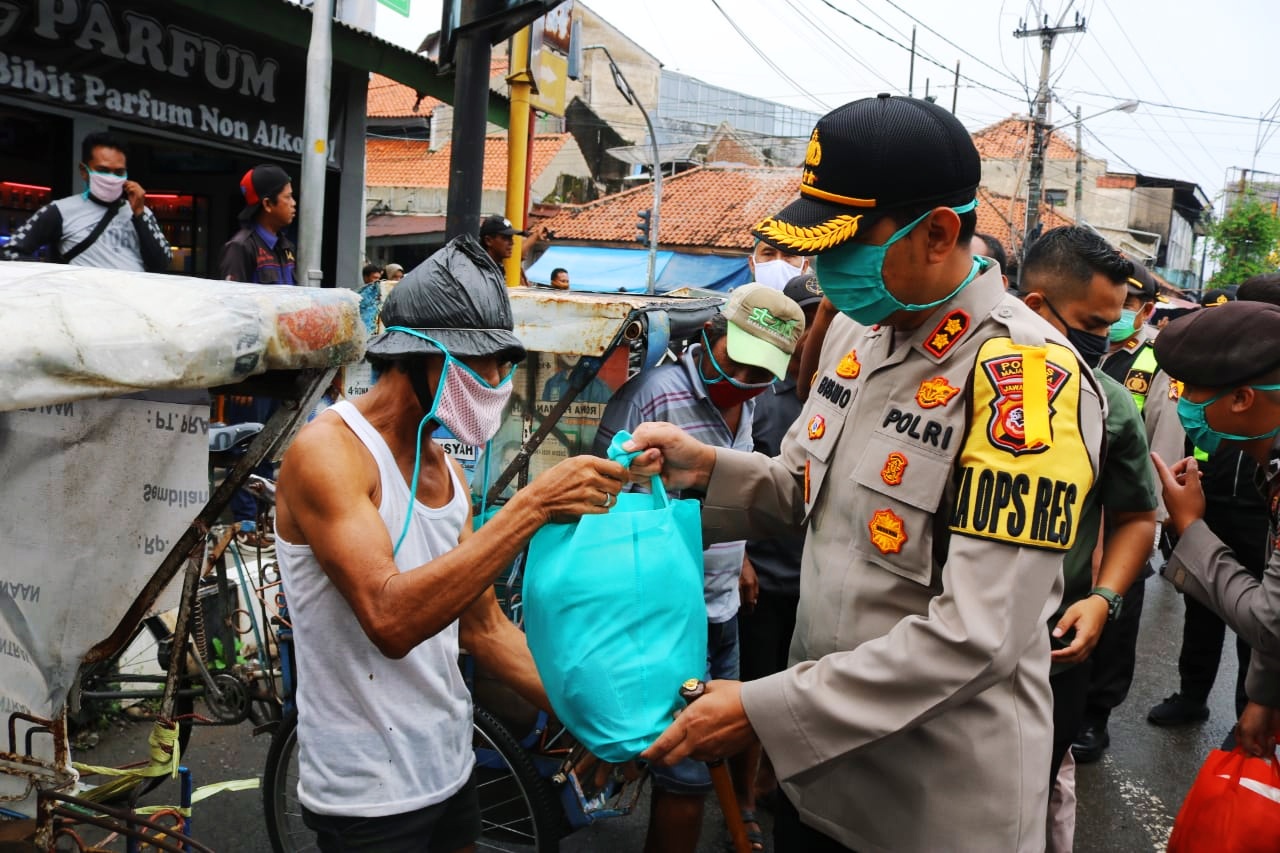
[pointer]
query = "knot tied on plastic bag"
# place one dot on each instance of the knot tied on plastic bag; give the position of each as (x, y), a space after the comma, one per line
(617, 454)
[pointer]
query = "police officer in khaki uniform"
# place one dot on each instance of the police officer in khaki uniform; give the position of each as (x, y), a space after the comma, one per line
(940, 465)
(1229, 360)
(1132, 362)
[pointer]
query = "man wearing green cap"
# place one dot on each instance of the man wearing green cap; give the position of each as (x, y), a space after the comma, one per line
(711, 394)
(939, 468)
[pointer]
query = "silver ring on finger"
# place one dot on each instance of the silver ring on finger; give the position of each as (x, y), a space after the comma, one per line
(608, 500)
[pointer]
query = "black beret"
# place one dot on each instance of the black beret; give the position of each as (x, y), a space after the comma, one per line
(1223, 346)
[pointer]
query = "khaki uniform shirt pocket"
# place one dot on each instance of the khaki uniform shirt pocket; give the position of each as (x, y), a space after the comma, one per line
(898, 489)
(822, 424)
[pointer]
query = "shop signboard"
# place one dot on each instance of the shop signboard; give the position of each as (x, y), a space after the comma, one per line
(151, 63)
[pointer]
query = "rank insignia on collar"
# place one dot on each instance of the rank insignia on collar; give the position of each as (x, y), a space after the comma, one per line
(1132, 343)
(817, 427)
(935, 392)
(1175, 389)
(894, 467)
(849, 366)
(888, 533)
(948, 331)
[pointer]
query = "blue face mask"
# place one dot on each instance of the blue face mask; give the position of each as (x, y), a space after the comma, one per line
(852, 277)
(1206, 437)
(1123, 329)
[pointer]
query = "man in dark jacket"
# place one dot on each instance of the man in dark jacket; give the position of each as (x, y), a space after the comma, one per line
(259, 252)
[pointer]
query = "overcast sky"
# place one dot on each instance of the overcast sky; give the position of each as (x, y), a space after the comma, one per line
(1219, 57)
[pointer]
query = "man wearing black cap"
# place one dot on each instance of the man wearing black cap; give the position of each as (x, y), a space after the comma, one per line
(1228, 360)
(385, 577)
(939, 469)
(497, 235)
(1132, 362)
(259, 252)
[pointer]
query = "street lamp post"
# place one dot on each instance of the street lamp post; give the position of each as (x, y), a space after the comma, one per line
(1078, 123)
(630, 95)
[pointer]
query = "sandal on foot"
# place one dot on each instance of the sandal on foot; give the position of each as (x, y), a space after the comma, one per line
(755, 837)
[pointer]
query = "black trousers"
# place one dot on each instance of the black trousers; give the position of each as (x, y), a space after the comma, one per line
(1113, 660)
(1070, 690)
(1202, 631)
(792, 836)
(764, 634)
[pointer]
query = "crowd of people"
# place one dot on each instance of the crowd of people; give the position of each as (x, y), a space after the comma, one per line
(932, 497)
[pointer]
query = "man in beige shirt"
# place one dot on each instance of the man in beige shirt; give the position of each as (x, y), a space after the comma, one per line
(938, 467)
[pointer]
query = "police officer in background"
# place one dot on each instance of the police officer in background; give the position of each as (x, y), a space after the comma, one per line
(939, 469)
(1132, 362)
(1229, 361)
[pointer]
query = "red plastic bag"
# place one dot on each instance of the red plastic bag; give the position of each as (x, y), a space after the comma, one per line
(1233, 807)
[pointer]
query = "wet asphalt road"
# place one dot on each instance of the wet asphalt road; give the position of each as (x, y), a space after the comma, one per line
(1127, 801)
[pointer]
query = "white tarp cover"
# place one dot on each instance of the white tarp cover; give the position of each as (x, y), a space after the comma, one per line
(94, 494)
(71, 333)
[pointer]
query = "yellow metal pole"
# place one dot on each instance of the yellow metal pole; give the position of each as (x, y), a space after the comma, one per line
(521, 80)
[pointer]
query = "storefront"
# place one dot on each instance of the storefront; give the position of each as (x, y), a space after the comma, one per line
(201, 92)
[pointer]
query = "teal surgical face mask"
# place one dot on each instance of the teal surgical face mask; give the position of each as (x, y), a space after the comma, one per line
(1205, 437)
(852, 277)
(1124, 328)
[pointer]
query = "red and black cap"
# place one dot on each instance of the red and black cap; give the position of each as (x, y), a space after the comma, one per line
(258, 183)
(870, 157)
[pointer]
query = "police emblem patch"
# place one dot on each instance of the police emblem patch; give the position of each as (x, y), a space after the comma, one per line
(1175, 389)
(806, 481)
(1006, 428)
(894, 467)
(817, 427)
(849, 366)
(888, 533)
(948, 331)
(1137, 382)
(935, 392)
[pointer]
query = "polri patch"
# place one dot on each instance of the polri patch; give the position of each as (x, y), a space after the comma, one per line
(895, 466)
(888, 532)
(1006, 426)
(817, 427)
(849, 366)
(935, 392)
(947, 333)
(1175, 389)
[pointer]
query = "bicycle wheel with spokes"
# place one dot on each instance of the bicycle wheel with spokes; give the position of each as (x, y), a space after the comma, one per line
(518, 809)
(285, 829)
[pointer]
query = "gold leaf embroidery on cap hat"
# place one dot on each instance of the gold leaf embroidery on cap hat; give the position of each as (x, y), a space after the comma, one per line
(817, 238)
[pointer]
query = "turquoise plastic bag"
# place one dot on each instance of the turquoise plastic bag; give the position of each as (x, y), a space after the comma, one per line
(615, 618)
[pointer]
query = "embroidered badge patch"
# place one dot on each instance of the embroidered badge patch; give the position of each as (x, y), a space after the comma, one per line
(935, 392)
(817, 427)
(1006, 428)
(806, 481)
(1175, 389)
(887, 531)
(849, 366)
(894, 467)
(948, 331)
(1138, 382)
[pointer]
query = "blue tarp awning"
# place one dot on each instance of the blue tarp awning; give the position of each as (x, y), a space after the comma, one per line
(606, 270)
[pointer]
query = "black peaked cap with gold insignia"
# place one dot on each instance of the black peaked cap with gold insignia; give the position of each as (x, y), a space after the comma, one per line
(869, 157)
(1228, 346)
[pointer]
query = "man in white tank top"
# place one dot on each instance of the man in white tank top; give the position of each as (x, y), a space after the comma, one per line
(385, 579)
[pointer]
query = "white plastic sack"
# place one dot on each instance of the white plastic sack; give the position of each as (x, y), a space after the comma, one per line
(71, 333)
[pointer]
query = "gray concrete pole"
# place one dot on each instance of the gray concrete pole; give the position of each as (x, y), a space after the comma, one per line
(315, 145)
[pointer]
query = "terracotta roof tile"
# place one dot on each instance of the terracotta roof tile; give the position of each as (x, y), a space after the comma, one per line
(411, 163)
(389, 99)
(1010, 139)
(707, 207)
(997, 218)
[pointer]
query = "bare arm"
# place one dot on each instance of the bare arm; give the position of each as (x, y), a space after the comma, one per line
(325, 500)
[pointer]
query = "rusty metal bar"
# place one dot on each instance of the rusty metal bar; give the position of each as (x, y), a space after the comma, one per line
(122, 821)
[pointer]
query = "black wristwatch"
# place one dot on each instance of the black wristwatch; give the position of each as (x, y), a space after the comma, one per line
(1114, 601)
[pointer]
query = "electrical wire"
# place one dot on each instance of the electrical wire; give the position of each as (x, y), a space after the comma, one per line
(767, 61)
(972, 56)
(922, 55)
(820, 29)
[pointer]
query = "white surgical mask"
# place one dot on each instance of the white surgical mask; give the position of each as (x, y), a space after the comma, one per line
(776, 274)
(105, 186)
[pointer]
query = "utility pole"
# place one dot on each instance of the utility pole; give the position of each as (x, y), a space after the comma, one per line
(955, 88)
(911, 70)
(1035, 183)
(1079, 166)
